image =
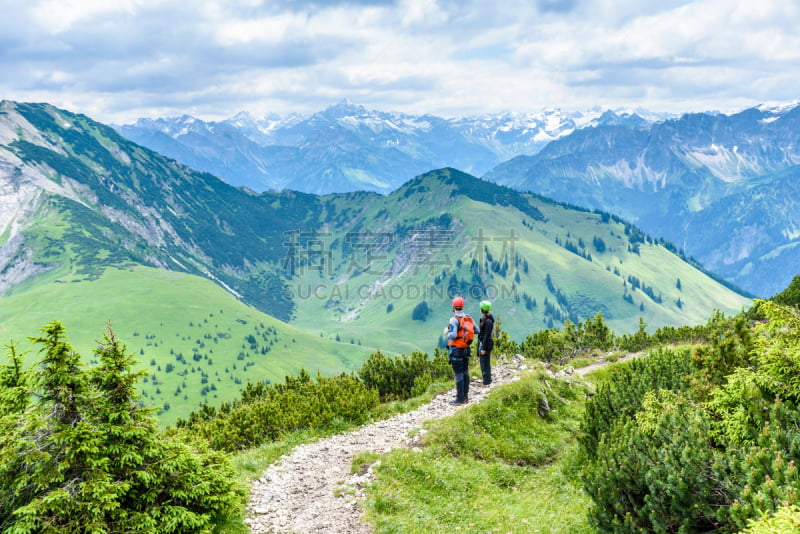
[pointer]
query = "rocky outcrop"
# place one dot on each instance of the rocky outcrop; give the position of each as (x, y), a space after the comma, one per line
(16, 263)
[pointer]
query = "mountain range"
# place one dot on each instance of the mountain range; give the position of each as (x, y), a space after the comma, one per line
(347, 147)
(213, 285)
(724, 188)
(721, 187)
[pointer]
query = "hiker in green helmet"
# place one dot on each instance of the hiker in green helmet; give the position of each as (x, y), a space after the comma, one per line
(485, 342)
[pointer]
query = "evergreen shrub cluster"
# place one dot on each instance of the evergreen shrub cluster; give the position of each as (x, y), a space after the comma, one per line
(791, 295)
(403, 377)
(700, 441)
(267, 412)
(78, 453)
(550, 344)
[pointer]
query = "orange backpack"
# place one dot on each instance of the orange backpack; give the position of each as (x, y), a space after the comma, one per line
(466, 332)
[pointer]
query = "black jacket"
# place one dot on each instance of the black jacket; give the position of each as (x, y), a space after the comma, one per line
(485, 335)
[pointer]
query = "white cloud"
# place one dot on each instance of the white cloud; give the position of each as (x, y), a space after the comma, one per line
(56, 16)
(119, 60)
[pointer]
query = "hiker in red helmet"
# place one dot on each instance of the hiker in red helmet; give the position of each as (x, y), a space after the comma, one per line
(460, 332)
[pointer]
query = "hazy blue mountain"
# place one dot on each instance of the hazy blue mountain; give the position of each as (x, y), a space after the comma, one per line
(347, 147)
(721, 187)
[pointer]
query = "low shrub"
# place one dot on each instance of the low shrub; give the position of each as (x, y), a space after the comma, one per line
(402, 377)
(267, 412)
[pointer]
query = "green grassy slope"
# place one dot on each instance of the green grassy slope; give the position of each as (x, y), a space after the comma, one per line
(213, 343)
(538, 261)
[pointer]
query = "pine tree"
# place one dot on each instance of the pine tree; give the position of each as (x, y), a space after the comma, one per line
(84, 456)
(13, 384)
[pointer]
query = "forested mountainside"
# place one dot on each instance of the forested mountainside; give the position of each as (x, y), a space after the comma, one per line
(99, 228)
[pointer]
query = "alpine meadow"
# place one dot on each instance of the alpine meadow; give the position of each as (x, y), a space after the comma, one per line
(168, 336)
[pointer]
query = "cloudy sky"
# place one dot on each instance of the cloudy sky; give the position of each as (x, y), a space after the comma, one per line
(117, 60)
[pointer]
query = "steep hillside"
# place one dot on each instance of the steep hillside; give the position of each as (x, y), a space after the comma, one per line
(96, 228)
(690, 180)
(540, 262)
(83, 198)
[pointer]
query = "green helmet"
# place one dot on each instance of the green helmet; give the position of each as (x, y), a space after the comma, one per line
(485, 305)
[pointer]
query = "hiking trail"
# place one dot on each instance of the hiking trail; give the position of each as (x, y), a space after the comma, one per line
(311, 489)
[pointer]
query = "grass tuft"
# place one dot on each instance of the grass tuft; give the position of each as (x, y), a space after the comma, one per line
(498, 466)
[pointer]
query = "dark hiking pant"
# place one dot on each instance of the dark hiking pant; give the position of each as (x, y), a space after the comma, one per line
(459, 359)
(486, 365)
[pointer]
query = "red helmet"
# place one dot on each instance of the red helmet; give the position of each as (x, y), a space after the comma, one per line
(458, 302)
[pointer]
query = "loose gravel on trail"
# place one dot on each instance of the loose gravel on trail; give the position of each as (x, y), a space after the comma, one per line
(311, 489)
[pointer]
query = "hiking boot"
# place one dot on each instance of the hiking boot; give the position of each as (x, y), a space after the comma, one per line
(457, 402)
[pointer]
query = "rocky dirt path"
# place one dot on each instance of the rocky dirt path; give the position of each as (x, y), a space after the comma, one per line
(311, 489)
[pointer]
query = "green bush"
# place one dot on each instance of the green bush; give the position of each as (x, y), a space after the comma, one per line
(658, 473)
(785, 521)
(267, 412)
(550, 345)
(78, 453)
(402, 377)
(791, 295)
(621, 397)
(708, 443)
(766, 472)
(638, 341)
(503, 344)
(546, 345)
